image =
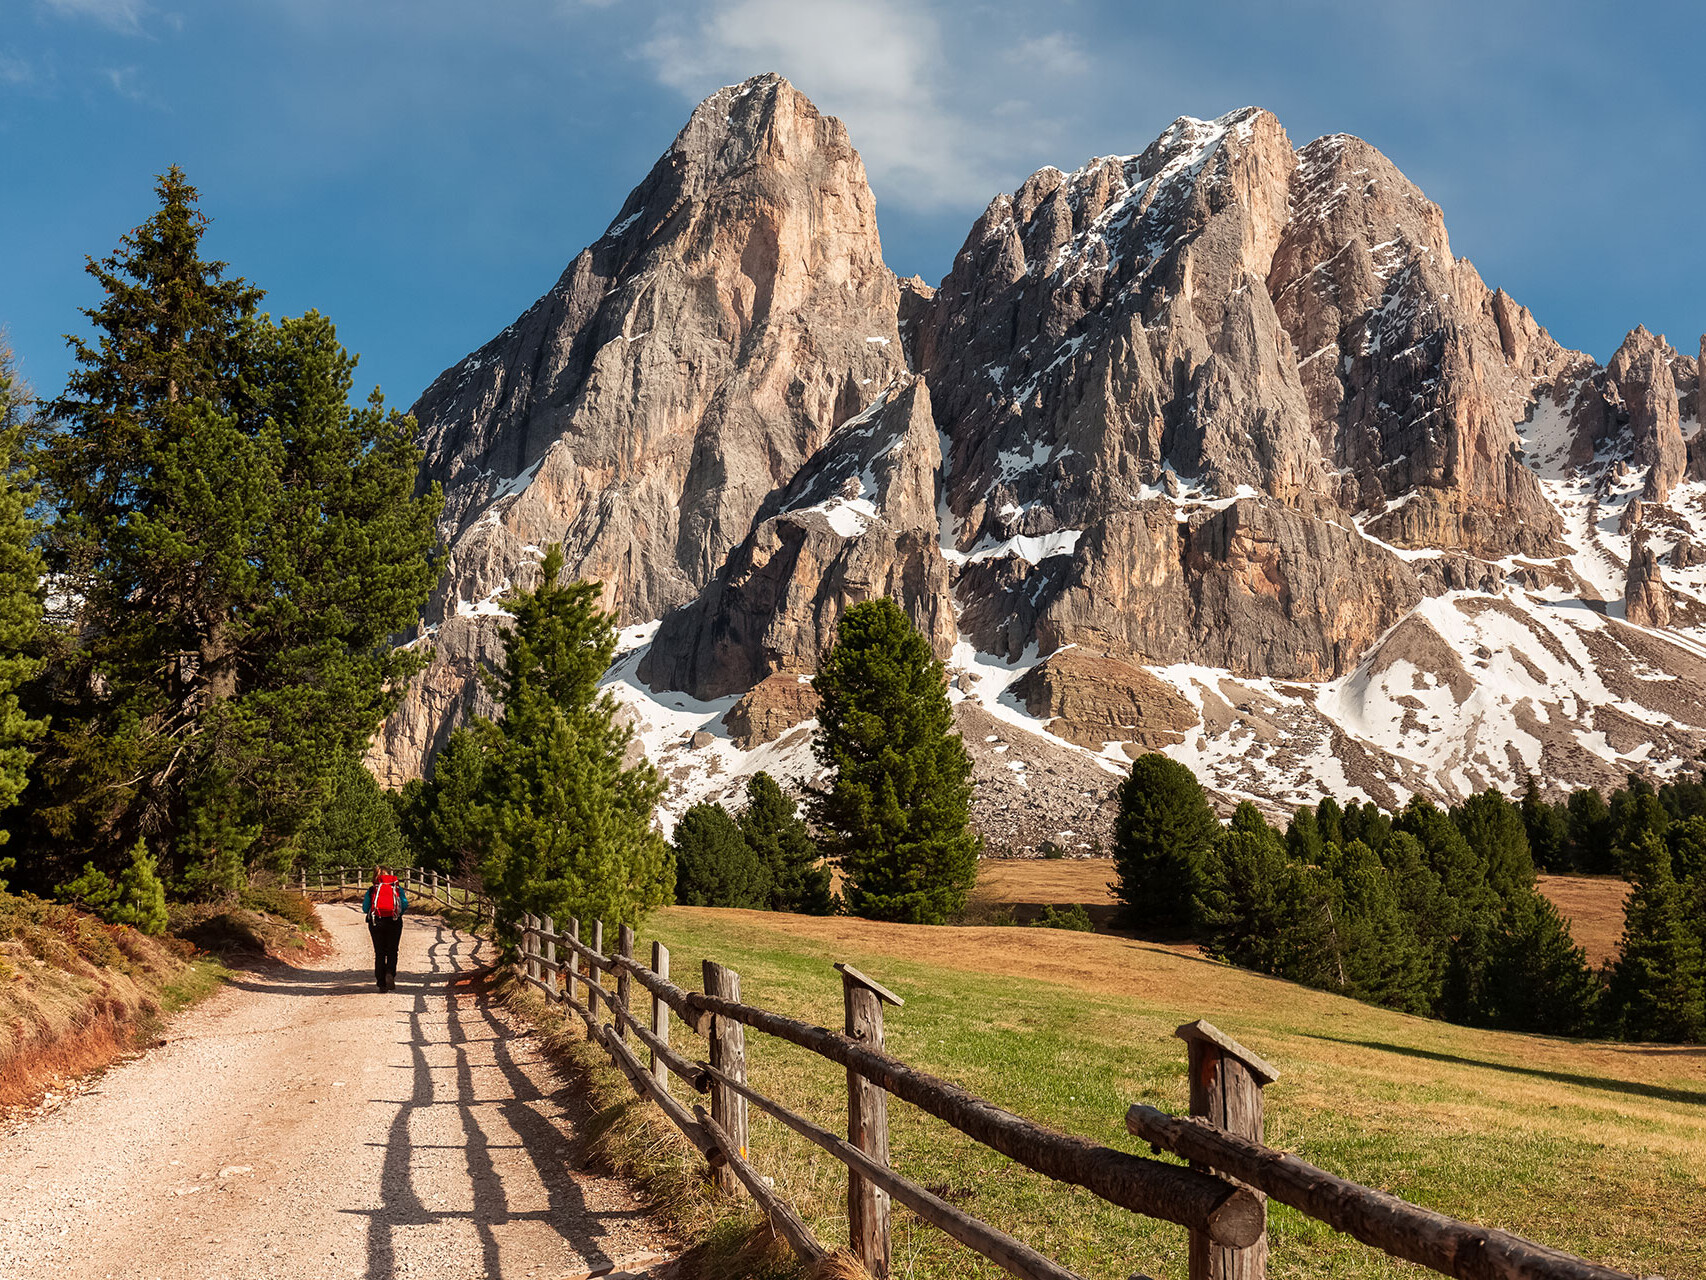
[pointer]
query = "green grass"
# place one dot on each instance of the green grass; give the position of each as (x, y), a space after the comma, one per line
(1598, 1149)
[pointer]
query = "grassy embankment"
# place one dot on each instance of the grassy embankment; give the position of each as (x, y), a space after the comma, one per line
(1596, 1148)
(76, 994)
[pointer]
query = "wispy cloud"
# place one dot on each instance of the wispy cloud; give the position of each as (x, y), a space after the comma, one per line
(16, 72)
(124, 16)
(874, 63)
(127, 83)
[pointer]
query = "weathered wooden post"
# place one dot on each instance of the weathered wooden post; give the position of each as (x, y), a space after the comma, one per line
(572, 984)
(551, 953)
(660, 1014)
(595, 975)
(728, 1055)
(624, 948)
(527, 942)
(867, 1122)
(1226, 1090)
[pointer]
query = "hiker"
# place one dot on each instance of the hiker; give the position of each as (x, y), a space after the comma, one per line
(384, 907)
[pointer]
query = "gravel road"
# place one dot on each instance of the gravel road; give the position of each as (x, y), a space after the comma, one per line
(301, 1124)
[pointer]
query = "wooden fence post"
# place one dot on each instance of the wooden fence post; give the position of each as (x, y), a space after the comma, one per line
(571, 985)
(595, 975)
(624, 948)
(551, 953)
(728, 1055)
(660, 1014)
(1226, 1090)
(867, 1122)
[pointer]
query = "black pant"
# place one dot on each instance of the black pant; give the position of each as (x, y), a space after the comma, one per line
(387, 933)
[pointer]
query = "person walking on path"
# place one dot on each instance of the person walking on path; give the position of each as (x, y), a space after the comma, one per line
(384, 907)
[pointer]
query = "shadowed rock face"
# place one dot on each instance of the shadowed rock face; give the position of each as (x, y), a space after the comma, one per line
(1223, 404)
(858, 521)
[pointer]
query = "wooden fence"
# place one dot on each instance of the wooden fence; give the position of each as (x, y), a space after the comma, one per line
(1220, 1198)
(421, 885)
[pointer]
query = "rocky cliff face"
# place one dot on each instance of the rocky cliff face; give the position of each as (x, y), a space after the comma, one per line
(676, 376)
(1215, 448)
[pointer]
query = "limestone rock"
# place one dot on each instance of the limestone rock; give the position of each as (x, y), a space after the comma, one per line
(1646, 600)
(858, 521)
(1415, 373)
(678, 375)
(1646, 391)
(770, 708)
(1686, 553)
(1631, 518)
(1091, 701)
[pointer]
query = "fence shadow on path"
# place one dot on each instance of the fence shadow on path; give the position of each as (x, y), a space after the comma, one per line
(1610, 1084)
(467, 1007)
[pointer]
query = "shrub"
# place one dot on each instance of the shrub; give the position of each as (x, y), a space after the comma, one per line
(1073, 917)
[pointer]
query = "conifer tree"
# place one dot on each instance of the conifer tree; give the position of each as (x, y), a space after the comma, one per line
(1539, 979)
(1494, 828)
(1656, 982)
(1589, 822)
(444, 819)
(570, 829)
(1162, 838)
(1378, 956)
(714, 864)
(237, 545)
(799, 878)
(136, 897)
(20, 598)
(896, 815)
(356, 826)
(1548, 829)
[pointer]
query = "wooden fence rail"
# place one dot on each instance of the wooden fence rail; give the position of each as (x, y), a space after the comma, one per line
(1220, 1197)
(432, 886)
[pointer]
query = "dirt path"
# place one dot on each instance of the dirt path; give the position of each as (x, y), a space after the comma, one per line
(301, 1124)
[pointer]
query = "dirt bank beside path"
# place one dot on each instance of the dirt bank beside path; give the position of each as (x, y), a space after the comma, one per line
(302, 1125)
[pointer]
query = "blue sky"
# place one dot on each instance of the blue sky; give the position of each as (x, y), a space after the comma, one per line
(421, 170)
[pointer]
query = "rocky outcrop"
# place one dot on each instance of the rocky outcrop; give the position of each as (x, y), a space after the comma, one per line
(858, 521)
(1414, 372)
(1092, 701)
(1646, 397)
(680, 372)
(770, 708)
(1646, 600)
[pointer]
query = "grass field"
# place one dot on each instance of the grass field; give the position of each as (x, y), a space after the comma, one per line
(1595, 1148)
(1592, 904)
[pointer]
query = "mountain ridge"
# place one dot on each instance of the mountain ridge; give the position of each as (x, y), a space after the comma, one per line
(1225, 416)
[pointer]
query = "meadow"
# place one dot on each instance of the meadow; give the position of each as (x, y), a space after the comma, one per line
(1597, 1148)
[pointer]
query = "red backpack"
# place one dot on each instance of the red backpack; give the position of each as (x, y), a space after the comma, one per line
(385, 898)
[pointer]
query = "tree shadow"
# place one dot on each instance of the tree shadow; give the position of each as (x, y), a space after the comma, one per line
(468, 1007)
(1662, 1093)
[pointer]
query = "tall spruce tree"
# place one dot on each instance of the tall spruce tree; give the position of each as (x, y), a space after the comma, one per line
(20, 598)
(445, 819)
(714, 864)
(571, 830)
(236, 545)
(799, 877)
(896, 815)
(1162, 838)
(1656, 983)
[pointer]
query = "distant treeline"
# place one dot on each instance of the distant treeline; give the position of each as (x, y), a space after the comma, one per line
(1430, 910)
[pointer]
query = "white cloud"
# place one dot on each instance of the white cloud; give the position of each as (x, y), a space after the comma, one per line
(876, 64)
(121, 15)
(15, 72)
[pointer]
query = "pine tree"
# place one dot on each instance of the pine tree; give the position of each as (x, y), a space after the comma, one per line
(445, 820)
(896, 816)
(1494, 828)
(238, 545)
(20, 598)
(1656, 982)
(1589, 821)
(1162, 838)
(1539, 979)
(714, 864)
(356, 826)
(1379, 958)
(136, 897)
(1548, 829)
(799, 877)
(571, 830)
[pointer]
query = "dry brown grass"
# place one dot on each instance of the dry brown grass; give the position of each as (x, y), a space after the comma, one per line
(75, 994)
(1594, 907)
